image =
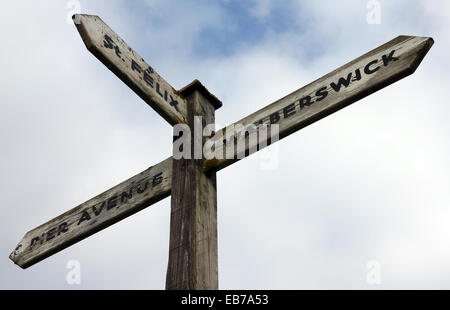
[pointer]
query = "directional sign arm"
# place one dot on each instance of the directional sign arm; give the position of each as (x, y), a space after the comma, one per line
(123, 200)
(131, 68)
(336, 90)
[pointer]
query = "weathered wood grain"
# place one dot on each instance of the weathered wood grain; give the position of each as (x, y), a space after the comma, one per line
(193, 262)
(365, 75)
(113, 205)
(131, 68)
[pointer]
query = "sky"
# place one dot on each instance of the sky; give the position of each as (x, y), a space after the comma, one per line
(358, 200)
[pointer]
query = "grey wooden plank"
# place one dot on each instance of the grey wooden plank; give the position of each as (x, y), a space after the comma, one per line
(361, 77)
(131, 68)
(123, 200)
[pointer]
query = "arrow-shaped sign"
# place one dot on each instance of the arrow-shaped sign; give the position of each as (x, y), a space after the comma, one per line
(123, 200)
(351, 82)
(131, 68)
(357, 79)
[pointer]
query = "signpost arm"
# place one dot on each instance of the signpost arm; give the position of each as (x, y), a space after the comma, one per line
(113, 205)
(131, 68)
(357, 79)
(193, 222)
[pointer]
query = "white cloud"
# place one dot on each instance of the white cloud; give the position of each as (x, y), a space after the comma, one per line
(261, 8)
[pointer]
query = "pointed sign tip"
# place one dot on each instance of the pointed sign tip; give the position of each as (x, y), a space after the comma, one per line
(15, 255)
(425, 47)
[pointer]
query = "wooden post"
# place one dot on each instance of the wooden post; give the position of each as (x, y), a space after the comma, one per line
(193, 222)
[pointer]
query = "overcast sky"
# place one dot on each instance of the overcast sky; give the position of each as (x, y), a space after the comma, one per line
(369, 183)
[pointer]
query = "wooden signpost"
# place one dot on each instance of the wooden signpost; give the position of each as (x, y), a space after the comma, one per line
(191, 182)
(122, 200)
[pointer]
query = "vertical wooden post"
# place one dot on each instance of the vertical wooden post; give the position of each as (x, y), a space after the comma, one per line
(193, 221)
